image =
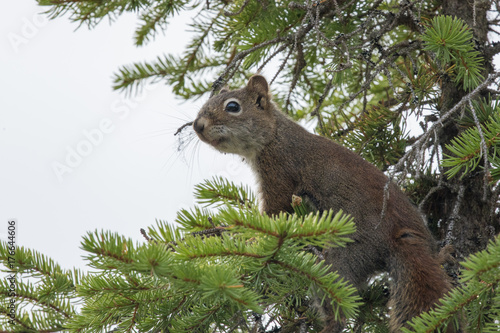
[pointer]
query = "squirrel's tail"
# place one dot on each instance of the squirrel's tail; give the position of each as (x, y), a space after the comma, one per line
(418, 281)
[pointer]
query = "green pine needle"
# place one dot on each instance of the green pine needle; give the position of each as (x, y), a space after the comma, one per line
(219, 191)
(466, 153)
(452, 42)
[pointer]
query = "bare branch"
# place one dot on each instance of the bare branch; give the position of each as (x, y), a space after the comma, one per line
(282, 66)
(239, 57)
(419, 143)
(454, 215)
(484, 151)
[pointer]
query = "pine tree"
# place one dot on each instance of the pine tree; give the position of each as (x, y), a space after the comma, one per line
(361, 69)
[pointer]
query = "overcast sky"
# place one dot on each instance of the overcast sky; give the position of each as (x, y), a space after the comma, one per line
(75, 155)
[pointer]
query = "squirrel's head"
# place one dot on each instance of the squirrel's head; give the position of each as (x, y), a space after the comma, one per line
(238, 121)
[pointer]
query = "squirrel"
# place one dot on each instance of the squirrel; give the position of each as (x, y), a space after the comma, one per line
(288, 160)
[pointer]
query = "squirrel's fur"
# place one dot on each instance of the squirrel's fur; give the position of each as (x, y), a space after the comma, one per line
(288, 160)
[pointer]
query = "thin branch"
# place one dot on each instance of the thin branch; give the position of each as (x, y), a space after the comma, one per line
(283, 63)
(228, 13)
(424, 137)
(454, 215)
(320, 102)
(365, 86)
(427, 196)
(299, 66)
(438, 146)
(484, 151)
(278, 51)
(239, 57)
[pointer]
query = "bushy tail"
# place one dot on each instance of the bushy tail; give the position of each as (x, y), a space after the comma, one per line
(418, 281)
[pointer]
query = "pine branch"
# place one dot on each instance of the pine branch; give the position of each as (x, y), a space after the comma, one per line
(155, 18)
(44, 295)
(451, 40)
(228, 274)
(108, 251)
(219, 191)
(92, 12)
(470, 147)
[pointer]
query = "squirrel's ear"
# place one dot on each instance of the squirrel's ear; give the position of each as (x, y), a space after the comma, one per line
(224, 89)
(258, 84)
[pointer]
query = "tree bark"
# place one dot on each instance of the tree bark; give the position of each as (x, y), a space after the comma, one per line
(463, 216)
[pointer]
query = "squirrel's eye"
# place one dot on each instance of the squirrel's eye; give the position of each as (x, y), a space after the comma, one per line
(233, 107)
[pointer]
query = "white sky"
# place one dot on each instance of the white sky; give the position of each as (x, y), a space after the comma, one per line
(55, 92)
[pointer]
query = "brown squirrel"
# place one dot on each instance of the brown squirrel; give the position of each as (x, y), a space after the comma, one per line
(288, 160)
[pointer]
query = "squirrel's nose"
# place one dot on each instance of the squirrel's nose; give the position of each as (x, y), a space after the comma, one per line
(199, 125)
